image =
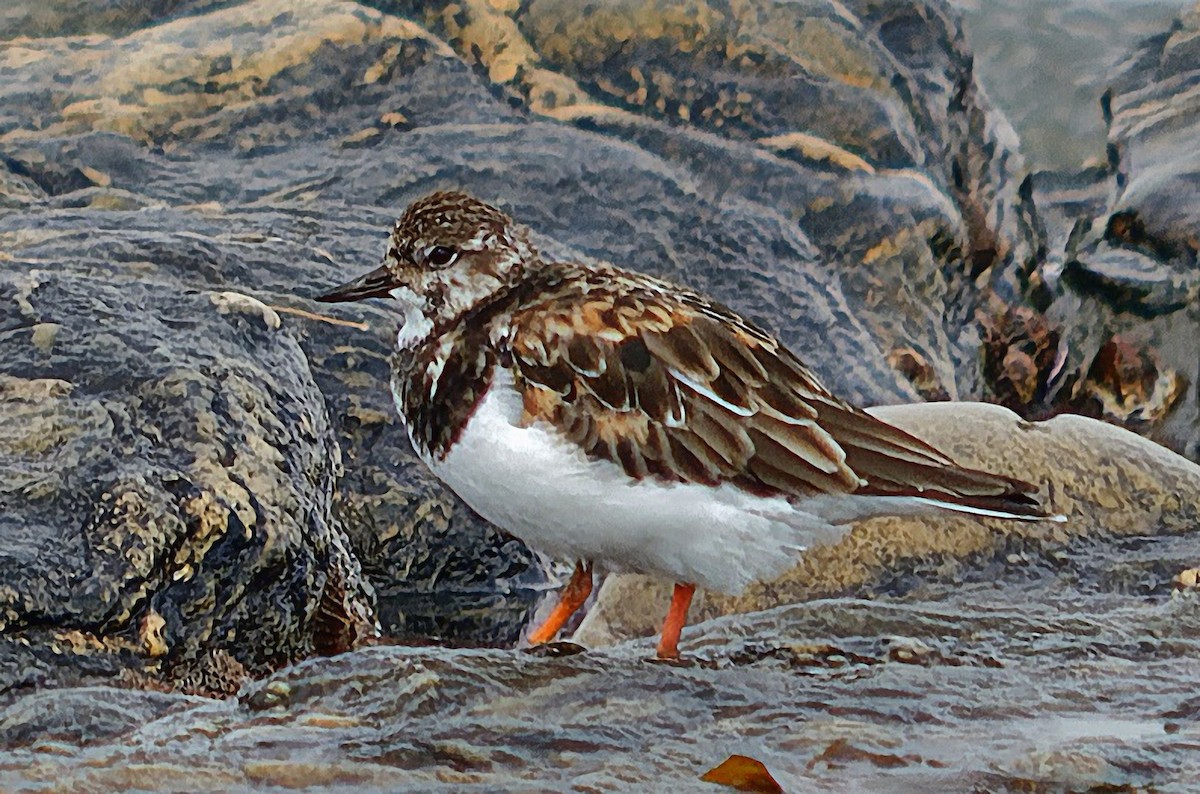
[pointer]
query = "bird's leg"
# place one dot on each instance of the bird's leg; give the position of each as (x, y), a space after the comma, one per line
(570, 599)
(681, 599)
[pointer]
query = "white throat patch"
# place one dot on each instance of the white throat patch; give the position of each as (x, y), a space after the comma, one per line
(416, 326)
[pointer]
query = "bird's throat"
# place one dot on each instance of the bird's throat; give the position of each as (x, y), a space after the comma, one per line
(417, 325)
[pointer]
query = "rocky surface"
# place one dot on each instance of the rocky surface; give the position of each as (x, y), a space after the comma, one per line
(202, 483)
(1080, 681)
(262, 148)
(1046, 63)
(154, 475)
(1123, 287)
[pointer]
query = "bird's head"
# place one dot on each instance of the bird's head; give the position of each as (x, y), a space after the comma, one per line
(447, 253)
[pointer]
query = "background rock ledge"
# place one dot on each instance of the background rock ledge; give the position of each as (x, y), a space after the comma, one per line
(202, 485)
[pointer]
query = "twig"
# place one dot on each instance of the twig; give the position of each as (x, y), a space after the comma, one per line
(322, 317)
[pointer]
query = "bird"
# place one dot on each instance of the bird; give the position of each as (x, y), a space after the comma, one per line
(607, 417)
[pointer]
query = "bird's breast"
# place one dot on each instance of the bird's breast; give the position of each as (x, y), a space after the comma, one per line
(437, 388)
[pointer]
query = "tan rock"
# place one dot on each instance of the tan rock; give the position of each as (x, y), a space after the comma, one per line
(1106, 480)
(188, 80)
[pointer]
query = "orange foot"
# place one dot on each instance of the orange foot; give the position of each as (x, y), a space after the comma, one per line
(569, 600)
(681, 599)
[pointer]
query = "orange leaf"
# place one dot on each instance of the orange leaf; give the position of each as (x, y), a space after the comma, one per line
(744, 774)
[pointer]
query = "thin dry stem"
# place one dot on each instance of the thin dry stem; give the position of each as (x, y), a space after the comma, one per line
(322, 317)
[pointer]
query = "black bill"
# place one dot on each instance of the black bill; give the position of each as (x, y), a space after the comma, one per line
(376, 284)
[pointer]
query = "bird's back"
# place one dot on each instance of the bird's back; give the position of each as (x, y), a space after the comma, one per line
(666, 384)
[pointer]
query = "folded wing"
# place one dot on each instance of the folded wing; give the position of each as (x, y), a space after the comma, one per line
(668, 385)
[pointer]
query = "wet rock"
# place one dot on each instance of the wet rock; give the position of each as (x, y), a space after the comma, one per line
(1108, 482)
(164, 453)
(1145, 242)
(1117, 286)
(1046, 63)
(1031, 685)
(252, 76)
(834, 171)
(40, 18)
(1152, 126)
(1138, 283)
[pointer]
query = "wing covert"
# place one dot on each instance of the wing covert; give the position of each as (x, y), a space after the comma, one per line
(678, 388)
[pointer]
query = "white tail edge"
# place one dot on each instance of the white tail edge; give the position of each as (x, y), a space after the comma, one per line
(983, 511)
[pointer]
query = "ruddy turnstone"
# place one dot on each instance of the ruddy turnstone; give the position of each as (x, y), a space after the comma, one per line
(605, 416)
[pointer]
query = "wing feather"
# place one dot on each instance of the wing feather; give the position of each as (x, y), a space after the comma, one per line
(679, 348)
(661, 388)
(665, 384)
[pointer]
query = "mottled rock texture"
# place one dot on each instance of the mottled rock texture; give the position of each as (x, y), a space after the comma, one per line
(1124, 287)
(166, 480)
(201, 483)
(1045, 63)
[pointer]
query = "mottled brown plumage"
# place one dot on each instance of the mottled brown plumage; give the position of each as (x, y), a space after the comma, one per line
(668, 384)
(655, 378)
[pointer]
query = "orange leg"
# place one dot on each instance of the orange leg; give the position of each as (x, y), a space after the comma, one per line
(570, 599)
(668, 644)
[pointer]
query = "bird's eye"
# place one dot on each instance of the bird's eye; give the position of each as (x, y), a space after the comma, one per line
(440, 255)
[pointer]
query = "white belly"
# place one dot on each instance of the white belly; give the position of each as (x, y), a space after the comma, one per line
(542, 488)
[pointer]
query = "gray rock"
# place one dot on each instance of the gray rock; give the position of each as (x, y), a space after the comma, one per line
(1046, 63)
(178, 187)
(166, 453)
(1123, 287)
(1016, 682)
(1153, 127)
(1140, 284)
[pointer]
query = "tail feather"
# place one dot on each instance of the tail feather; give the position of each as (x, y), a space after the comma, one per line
(1036, 513)
(897, 464)
(968, 491)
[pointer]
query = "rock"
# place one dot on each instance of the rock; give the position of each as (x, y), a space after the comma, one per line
(1141, 284)
(42, 18)
(1153, 213)
(1124, 281)
(1115, 289)
(1108, 482)
(992, 689)
(164, 453)
(1152, 125)
(1046, 63)
(832, 170)
(253, 76)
